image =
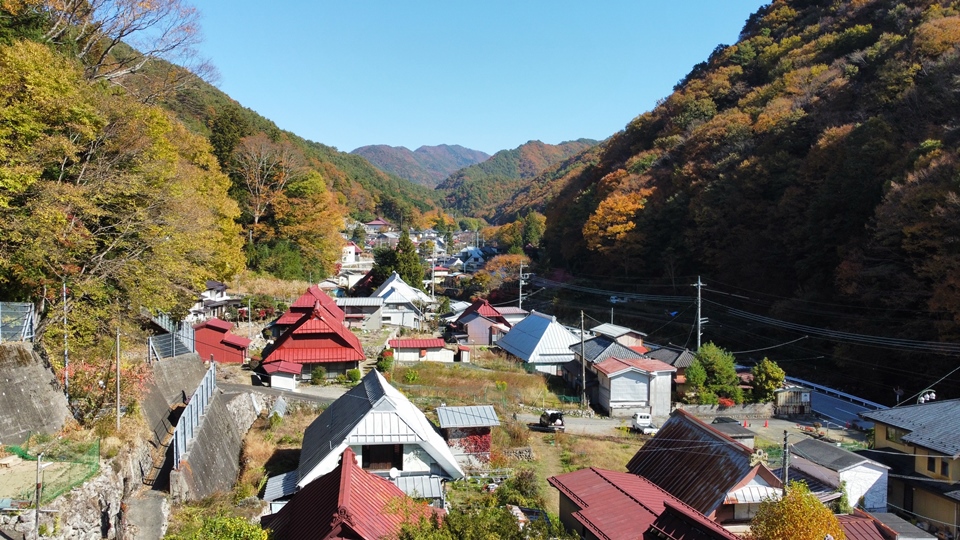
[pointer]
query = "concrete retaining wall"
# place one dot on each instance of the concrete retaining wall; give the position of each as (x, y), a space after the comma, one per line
(738, 412)
(173, 380)
(211, 463)
(31, 399)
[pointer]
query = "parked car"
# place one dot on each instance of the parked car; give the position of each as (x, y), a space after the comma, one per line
(725, 420)
(643, 423)
(618, 300)
(552, 420)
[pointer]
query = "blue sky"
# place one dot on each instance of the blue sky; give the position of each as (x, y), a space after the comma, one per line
(487, 75)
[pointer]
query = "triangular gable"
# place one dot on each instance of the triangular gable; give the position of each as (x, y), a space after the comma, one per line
(314, 294)
(396, 283)
(483, 308)
(324, 326)
(373, 412)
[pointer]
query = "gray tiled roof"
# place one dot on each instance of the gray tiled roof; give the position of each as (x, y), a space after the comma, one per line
(827, 455)
(926, 424)
(470, 416)
(675, 356)
(598, 349)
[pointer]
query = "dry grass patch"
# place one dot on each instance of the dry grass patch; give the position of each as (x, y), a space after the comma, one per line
(249, 283)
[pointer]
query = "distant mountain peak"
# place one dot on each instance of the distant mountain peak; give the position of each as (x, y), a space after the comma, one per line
(427, 165)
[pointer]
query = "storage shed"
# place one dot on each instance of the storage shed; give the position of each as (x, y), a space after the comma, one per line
(792, 401)
(214, 341)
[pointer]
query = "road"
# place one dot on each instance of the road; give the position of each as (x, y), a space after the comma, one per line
(839, 410)
(301, 396)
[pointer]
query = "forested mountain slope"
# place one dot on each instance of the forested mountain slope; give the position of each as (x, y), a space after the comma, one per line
(427, 165)
(483, 189)
(816, 159)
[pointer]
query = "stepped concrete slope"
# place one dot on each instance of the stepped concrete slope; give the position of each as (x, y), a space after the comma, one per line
(31, 400)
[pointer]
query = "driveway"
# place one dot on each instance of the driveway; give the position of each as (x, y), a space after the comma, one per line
(584, 426)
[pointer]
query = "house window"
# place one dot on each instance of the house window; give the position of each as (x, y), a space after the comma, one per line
(895, 435)
(931, 464)
(944, 468)
(382, 457)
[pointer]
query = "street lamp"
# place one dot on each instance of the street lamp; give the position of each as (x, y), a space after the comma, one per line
(926, 395)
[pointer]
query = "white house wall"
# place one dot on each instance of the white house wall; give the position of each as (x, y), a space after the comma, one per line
(870, 482)
(660, 391)
(433, 355)
(416, 459)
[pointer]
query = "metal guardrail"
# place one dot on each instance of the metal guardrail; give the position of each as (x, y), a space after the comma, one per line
(16, 321)
(830, 391)
(192, 417)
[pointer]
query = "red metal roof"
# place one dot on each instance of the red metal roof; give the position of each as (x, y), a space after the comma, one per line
(416, 343)
(281, 366)
(622, 505)
(317, 337)
(347, 502)
(314, 294)
(639, 349)
(616, 365)
(860, 527)
(483, 308)
(235, 340)
(223, 326)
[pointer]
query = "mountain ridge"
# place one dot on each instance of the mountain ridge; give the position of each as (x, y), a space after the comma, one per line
(427, 165)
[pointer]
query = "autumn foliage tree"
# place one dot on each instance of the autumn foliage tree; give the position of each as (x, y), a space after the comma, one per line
(799, 515)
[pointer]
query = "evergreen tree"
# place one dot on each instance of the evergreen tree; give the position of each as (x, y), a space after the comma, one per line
(767, 377)
(721, 373)
(408, 261)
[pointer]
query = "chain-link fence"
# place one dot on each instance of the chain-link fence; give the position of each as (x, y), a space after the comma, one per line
(64, 465)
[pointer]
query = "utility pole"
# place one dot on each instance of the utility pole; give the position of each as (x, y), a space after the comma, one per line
(433, 273)
(611, 314)
(36, 523)
(786, 463)
(118, 377)
(66, 352)
(700, 320)
(249, 319)
(583, 367)
(520, 297)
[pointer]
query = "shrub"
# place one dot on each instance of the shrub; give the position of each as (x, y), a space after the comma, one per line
(385, 362)
(353, 375)
(318, 375)
(341, 379)
(411, 376)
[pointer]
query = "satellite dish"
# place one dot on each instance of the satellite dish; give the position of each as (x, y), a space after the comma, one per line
(394, 473)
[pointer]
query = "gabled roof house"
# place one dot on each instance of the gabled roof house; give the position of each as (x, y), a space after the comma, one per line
(706, 469)
(401, 302)
(303, 305)
(921, 445)
(864, 478)
(602, 504)
(347, 503)
(634, 385)
(389, 435)
(318, 338)
(482, 324)
(627, 337)
(213, 340)
(541, 341)
(595, 349)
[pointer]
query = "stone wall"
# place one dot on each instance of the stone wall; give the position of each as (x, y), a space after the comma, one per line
(212, 461)
(31, 399)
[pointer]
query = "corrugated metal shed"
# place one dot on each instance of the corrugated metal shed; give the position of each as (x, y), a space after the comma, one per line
(860, 528)
(421, 486)
(539, 339)
(925, 424)
(470, 416)
(697, 464)
(614, 331)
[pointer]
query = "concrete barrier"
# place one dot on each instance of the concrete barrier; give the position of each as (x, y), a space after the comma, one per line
(31, 399)
(213, 460)
(174, 380)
